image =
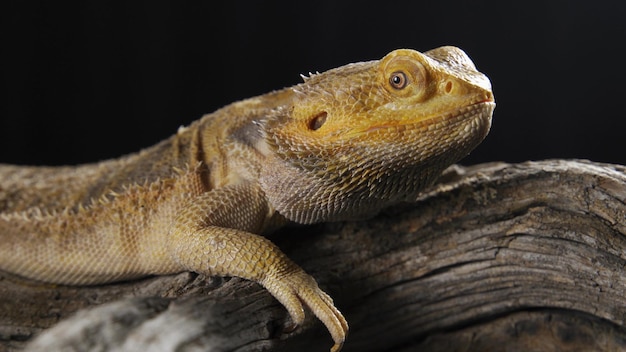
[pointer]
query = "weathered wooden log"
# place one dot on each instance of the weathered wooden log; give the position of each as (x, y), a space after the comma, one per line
(494, 257)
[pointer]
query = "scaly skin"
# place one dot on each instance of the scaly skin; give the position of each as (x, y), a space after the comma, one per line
(341, 145)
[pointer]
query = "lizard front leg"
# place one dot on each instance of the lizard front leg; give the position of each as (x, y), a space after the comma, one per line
(214, 235)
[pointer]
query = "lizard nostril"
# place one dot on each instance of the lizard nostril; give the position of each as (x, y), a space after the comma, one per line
(318, 121)
(448, 87)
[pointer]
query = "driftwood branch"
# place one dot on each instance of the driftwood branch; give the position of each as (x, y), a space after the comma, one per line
(496, 256)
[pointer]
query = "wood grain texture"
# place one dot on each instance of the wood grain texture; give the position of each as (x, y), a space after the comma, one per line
(495, 256)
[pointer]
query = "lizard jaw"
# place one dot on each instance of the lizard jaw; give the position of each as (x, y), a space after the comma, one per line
(486, 105)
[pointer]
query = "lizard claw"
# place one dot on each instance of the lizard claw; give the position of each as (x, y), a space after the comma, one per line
(291, 327)
(297, 288)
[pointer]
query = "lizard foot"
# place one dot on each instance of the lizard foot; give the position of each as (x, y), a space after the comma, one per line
(294, 289)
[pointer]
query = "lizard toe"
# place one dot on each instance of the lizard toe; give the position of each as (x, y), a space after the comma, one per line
(299, 288)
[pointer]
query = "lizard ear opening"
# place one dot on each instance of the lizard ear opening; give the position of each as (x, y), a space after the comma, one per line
(318, 121)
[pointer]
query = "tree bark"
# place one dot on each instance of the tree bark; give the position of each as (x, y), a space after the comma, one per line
(525, 257)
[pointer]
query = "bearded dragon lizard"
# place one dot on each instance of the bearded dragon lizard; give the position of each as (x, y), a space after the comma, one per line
(342, 145)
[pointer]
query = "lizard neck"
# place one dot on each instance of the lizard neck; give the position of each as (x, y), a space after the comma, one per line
(231, 140)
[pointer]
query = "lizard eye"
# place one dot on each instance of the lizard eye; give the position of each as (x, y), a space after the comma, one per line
(403, 75)
(398, 80)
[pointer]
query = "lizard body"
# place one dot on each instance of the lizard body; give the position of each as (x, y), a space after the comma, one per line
(341, 145)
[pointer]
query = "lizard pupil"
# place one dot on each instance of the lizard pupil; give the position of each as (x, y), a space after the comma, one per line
(398, 80)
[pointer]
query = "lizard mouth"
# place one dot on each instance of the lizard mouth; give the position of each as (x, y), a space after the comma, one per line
(487, 100)
(480, 109)
(466, 117)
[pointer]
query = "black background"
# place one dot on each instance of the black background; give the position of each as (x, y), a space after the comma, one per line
(90, 80)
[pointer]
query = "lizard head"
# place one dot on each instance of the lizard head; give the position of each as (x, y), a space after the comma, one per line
(366, 135)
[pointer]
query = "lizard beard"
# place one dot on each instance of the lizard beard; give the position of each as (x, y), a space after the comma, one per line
(371, 175)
